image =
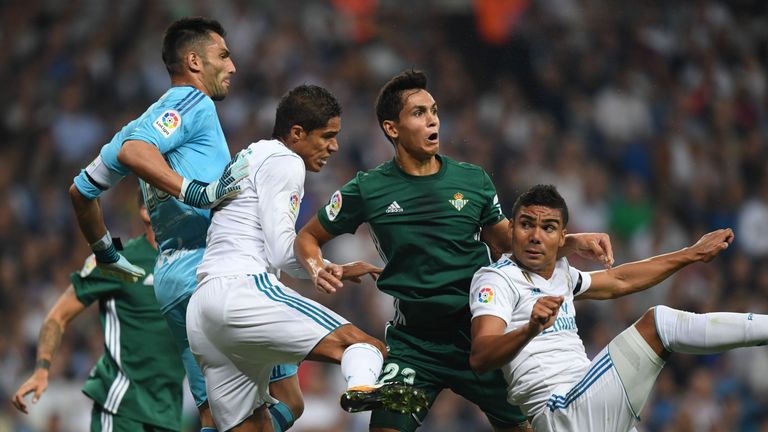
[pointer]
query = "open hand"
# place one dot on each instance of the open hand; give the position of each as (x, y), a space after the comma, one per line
(37, 383)
(593, 246)
(354, 270)
(712, 243)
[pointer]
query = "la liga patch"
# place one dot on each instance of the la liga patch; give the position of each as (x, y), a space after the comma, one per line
(168, 122)
(295, 203)
(334, 206)
(485, 295)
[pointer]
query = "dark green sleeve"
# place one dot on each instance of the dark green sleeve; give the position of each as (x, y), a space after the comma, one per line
(91, 284)
(345, 211)
(491, 213)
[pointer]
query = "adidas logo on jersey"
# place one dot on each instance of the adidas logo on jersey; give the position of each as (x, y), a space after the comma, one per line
(394, 208)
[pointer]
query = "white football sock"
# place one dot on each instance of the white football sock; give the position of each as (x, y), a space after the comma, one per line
(361, 364)
(709, 333)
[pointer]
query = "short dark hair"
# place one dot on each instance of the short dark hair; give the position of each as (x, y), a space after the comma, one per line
(308, 106)
(183, 34)
(390, 101)
(542, 195)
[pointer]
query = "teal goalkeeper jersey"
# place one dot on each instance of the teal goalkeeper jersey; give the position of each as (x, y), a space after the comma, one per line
(140, 374)
(427, 230)
(184, 126)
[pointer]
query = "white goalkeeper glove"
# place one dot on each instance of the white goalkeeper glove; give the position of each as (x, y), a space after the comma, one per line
(112, 263)
(203, 195)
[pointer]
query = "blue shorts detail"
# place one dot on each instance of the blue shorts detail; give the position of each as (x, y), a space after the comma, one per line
(283, 371)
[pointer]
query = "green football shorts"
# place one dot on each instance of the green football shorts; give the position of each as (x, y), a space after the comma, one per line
(434, 362)
(102, 421)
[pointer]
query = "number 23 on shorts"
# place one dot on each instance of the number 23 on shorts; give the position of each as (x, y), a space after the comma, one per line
(390, 371)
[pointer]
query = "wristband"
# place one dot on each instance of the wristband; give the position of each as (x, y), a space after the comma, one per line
(192, 191)
(104, 250)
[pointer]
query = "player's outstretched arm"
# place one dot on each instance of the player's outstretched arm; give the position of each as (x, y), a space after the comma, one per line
(639, 275)
(65, 309)
(146, 161)
(593, 246)
(91, 221)
(308, 244)
(492, 348)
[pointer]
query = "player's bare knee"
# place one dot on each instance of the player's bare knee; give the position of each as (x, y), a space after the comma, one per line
(288, 392)
(646, 326)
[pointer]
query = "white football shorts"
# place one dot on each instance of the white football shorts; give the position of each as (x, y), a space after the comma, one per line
(610, 395)
(239, 327)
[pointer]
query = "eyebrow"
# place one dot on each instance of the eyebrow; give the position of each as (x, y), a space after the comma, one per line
(550, 220)
(424, 106)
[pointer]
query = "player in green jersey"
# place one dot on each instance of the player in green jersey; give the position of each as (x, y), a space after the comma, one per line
(137, 383)
(435, 221)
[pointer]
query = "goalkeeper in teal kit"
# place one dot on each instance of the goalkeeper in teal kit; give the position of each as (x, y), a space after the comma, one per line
(178, 150)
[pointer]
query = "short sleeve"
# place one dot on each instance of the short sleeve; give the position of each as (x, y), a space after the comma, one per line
(345, 211)
(492, 294)
(491, 213)
(580, 281)
(91, 284)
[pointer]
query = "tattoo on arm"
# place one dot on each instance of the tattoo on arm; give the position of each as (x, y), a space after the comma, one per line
(48, 343)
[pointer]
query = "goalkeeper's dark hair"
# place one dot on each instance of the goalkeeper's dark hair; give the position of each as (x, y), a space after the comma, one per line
(545, 196)
(308, 106)
(184, 35)
(390, 101)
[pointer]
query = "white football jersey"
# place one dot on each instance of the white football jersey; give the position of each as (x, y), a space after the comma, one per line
(555, 357)
(254, 232)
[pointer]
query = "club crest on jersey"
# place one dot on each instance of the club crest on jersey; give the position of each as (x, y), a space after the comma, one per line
(168, 122)
(294, 203)
(458, 201)
(486, 295)
(334, 206)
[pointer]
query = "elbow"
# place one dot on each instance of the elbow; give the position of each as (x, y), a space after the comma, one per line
(76, 197)
(478, 363)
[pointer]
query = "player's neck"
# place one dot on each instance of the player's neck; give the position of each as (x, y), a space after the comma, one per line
(186, 80)
(417, 167)
(545, 273)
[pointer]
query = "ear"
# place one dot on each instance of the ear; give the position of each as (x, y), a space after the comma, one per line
(193, 61)
(390, 128)
(296, 134)
(563, 232)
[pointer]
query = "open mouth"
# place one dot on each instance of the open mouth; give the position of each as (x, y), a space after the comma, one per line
(432, 137)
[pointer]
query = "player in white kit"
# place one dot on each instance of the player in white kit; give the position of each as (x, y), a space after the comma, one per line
(242, 321)
(524, 322)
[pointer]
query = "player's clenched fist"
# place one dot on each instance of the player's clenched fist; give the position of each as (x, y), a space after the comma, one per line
(544, 313)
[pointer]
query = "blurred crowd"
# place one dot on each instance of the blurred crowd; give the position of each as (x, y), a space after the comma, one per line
(650, 117)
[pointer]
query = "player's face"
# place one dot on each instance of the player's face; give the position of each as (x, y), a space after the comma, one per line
(537, 235)
(217, 67)
(316, 147)
(418, 126)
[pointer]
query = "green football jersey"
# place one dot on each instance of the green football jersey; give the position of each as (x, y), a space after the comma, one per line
(140, 374)
(427, 230)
